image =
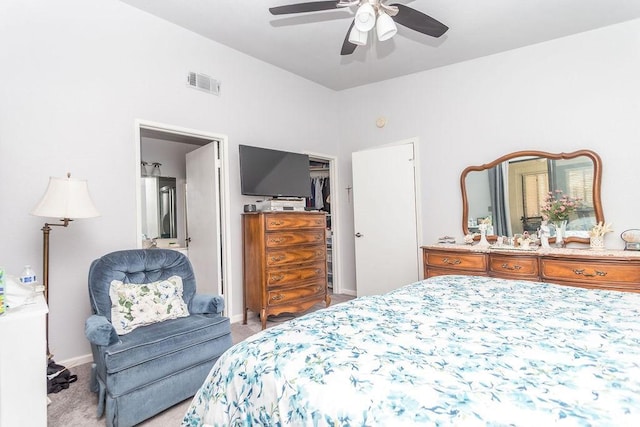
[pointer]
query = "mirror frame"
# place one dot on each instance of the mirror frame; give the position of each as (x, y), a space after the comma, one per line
(597, 180)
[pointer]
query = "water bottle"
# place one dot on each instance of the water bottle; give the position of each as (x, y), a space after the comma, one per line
(28, 276)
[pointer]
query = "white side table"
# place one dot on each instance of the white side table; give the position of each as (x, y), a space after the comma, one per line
(23, 365)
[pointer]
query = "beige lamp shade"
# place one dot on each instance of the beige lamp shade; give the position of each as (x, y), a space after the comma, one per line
(66, 198)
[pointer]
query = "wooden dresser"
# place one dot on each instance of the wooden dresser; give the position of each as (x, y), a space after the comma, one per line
(284, 262)
(608, 269)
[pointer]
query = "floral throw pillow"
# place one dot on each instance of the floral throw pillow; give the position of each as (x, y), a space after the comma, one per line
(134, 305)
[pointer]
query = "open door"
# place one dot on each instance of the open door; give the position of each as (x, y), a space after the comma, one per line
(203, 217)
(385, 221)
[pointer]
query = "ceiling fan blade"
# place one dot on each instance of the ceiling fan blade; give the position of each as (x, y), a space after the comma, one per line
(418, 21)
(347, 47)
(313, 6)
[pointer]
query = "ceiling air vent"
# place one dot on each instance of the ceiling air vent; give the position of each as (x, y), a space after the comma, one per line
(203, 82)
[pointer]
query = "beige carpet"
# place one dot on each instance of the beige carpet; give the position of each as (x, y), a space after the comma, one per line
(76, 406)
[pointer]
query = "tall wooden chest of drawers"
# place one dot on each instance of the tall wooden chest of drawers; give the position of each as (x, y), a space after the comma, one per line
(284, 262)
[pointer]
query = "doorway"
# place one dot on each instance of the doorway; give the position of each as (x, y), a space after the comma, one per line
(200, 162)
(386, 218)
(325, 166)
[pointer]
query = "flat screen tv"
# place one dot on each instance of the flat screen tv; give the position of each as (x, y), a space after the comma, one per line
(274, 173)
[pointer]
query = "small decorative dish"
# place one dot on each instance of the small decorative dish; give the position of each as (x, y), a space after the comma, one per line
(631, 239)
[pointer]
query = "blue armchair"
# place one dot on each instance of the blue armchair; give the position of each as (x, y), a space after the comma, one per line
(155, 366)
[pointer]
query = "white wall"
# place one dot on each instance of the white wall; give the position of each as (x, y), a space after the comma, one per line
(75, 76)
(572, 93)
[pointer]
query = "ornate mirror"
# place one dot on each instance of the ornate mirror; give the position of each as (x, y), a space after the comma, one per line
(512, 190)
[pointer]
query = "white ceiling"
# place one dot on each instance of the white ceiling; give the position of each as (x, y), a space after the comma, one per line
(309, 44)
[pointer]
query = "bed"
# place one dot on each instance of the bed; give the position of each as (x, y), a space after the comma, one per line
(449, 350)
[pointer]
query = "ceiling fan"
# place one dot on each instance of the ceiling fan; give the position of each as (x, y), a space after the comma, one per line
(370, 14)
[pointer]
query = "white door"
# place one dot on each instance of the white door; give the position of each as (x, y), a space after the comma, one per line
(203, 217)
(384, 208)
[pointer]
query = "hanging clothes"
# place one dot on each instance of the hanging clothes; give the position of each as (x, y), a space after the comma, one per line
(326, 195)
(309, 201)
(320, 194)
(317, 193)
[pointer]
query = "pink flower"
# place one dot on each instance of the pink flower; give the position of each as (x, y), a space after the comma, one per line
(558, 206)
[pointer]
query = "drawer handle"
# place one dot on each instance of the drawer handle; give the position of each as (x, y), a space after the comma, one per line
(448, 261)
(319, 253)
(275, 223)
(582, 273)
(277, 297)
(277, 278)
(515, 267)
(318, 222)
(318, 288)
(276, 240)
(277, 258)
(318, 270)
(318, 237)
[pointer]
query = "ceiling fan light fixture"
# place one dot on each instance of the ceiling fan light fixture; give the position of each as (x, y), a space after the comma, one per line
(385, 27)
(365, 18)
(358, 37)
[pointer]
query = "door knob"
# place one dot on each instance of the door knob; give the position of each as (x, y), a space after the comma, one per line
(358, 234)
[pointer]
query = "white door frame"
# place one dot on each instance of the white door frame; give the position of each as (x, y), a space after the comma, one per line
(335, 219)
(225, 212)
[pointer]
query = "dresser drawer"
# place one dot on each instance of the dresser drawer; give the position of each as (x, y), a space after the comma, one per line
(277, 257)
(432, 272)
(284, 221)
(513, 266)
(606, 274)
(474, 262)
(287, 238)
(284, 277)
(289, 295)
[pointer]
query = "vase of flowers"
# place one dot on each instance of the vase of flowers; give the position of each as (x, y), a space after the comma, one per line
(556, 209)
(596, 235)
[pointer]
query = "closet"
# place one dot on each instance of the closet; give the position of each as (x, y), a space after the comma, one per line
(321, 200)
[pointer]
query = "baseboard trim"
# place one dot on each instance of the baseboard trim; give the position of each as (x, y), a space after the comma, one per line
(236, 318)
(349, 292)
(75, 361)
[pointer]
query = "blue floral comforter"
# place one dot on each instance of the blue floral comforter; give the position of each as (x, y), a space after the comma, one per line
(451, 350)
